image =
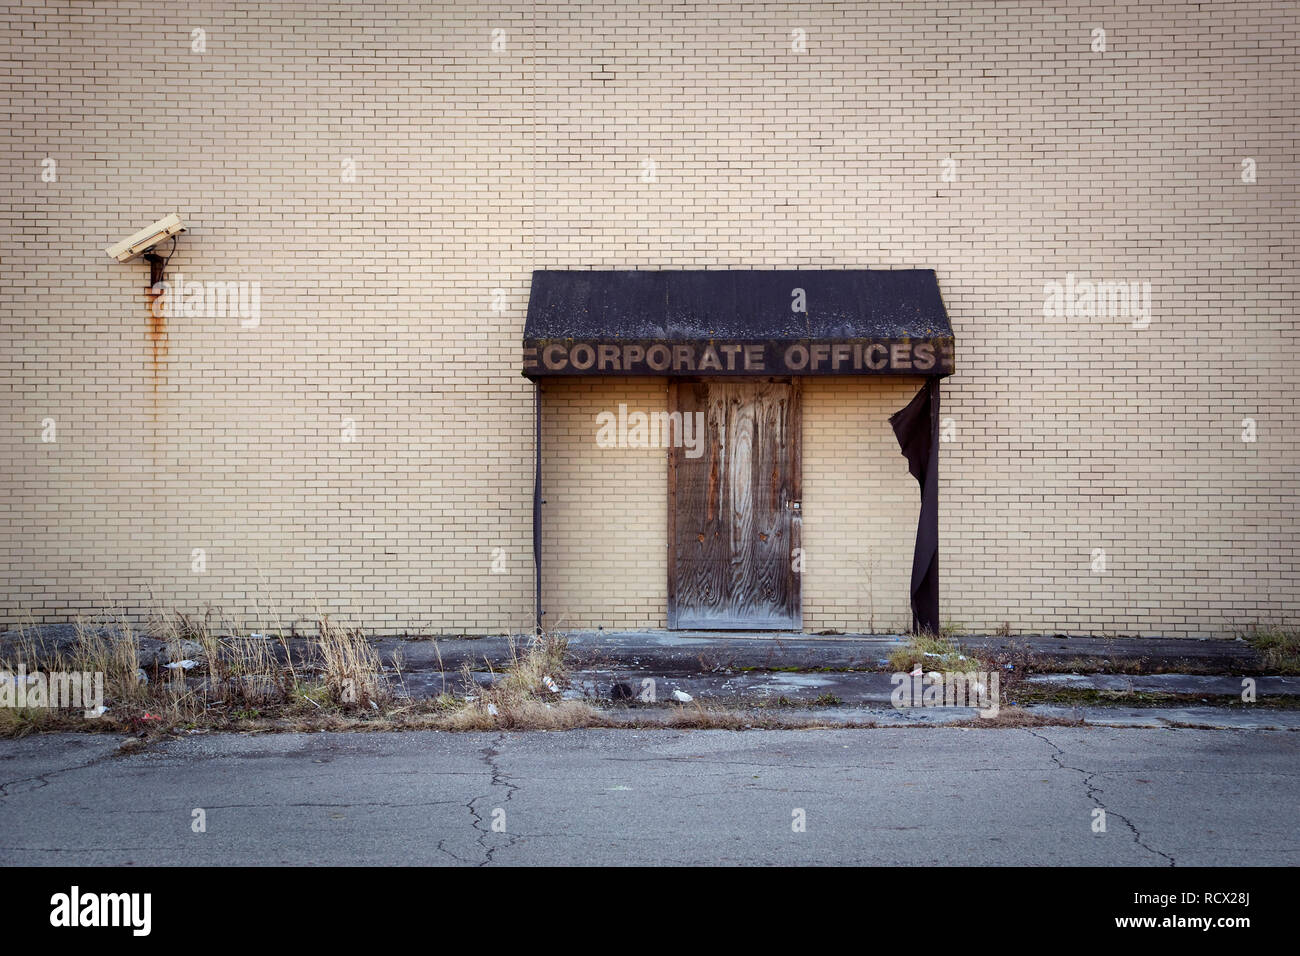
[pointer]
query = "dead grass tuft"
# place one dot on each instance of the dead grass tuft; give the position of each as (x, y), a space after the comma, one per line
(1279, 647)
(221, 675)
(525, 695)
(933, 652)
(350, 671)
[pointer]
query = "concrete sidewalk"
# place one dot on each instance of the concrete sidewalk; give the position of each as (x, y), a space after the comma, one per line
(693, 652)
(684, 652)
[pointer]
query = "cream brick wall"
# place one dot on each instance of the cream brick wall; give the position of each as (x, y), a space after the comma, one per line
(605, 521)
(860, 506)
(474, 167)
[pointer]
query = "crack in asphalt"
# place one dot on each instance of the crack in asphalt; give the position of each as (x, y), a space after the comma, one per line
(1092, 794)
(496, 779)
(459, 859)
(44, 777)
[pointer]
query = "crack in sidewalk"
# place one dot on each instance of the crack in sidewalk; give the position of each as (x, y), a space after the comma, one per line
(1092, 794)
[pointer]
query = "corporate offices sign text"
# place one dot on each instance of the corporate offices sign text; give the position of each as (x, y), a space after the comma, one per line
(805, 357)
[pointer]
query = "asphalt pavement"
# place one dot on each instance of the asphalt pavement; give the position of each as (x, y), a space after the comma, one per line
(910, 796)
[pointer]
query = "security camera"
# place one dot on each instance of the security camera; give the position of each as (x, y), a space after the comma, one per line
(146, 238)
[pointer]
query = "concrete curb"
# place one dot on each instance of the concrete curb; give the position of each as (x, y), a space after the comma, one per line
(684, 652)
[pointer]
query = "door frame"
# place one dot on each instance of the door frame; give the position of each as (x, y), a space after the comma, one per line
(796, 484)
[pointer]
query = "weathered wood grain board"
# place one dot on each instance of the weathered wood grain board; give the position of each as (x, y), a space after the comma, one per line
(734, 511)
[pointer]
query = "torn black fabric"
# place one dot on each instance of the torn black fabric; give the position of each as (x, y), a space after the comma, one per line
(537, 507)
(917, 430)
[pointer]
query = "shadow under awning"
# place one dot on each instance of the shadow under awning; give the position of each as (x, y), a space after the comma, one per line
(737, 322)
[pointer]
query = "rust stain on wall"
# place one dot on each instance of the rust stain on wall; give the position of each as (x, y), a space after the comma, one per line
(157, 342)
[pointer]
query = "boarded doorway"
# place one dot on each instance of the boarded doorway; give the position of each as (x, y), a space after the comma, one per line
(734, 510)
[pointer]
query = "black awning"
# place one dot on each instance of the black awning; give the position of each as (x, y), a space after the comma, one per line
(737, 322)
